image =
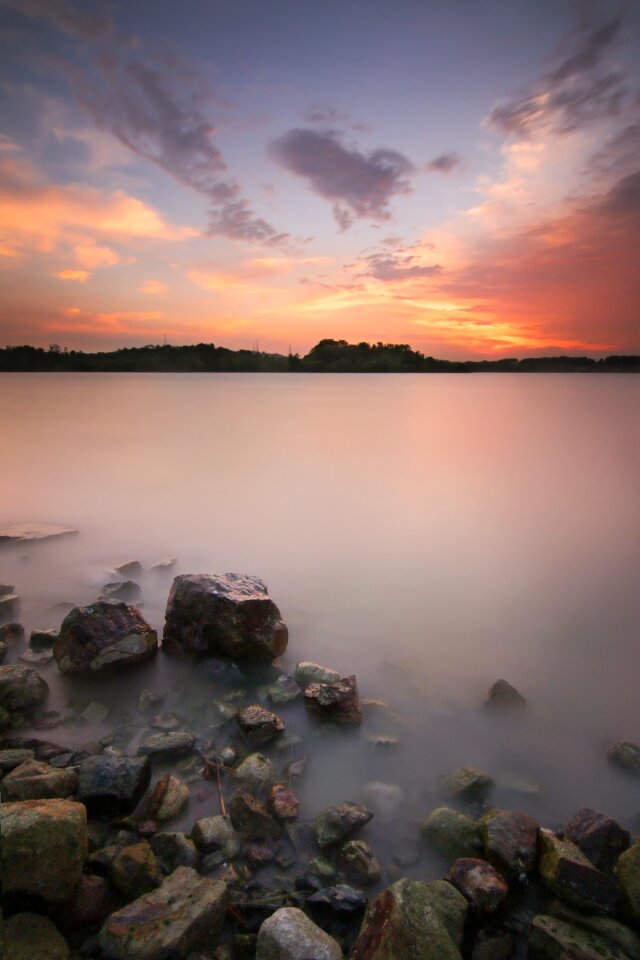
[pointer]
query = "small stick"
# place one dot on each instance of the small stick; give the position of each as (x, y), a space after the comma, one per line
(220, 794)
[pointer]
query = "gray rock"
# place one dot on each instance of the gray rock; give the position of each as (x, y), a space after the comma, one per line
(168, 799)
(34, 780)
(385, 798)
(256, 769)
(95, 713)
(13, 757)
(250, 816)
(288, 934)
(21, 688)
(466, 784)
(36, 658)
(625, 754)
(9, 604)
(101, 636)
(175, 744)
(308, 672)
(217, 833)
(132, 568)
(185, 912)
(284, 690)
(502, 696)
(173, 850)
(337, 824)
(358, 862)
(226, 614)
(125, 590)
(149, 700)
(113, 785)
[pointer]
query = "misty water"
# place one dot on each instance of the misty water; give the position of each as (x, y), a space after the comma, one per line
(428, 533)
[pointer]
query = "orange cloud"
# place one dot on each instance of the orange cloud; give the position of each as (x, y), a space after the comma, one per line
(154, 288)
(80, 276)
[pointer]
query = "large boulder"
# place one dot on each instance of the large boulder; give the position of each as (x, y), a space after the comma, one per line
(44, 846)
(600, 838)
(113, 785)
(34, 780)
(510, 841)
(289, 934)
(21, 688)
(186, 911)
(227, 614)
(407, 921)
(571, 876)
(30, 936)
(104, 635)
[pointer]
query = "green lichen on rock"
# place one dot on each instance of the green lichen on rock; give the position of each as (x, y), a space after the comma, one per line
(453, 834)
(628, 874)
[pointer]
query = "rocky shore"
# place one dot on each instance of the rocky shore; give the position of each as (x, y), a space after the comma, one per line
(93, 867)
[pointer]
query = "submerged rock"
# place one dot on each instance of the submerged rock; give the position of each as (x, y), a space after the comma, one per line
(502, 696)
(288, 934)
(42, 639)
(467, 784)
(131, 568)
(339, 823)
(308, 672)
(185, 912)
(149, 700)
(44, 846)
(385, 798)
(600, 838)
(122, 590)
(34, 780)
(480, 883)
(617, 936)
(284, 690)
(510, 841)
(30, 936)
(9, 604)
(103, 635)
(227, 614)
(337, 702)
(625, 754)
(259, 725)
(113, 785)
(453, 834)
(571, 876)
(21, 688)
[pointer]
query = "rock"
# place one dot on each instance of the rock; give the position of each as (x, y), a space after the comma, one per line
(600, 838)
(43, 639)
(173, 850)
(21, 688)
(5, 719)
(337, 824)
(4, 646)
(282, 802)
(628, 874)
(510, 840)
(11, 633)
(502, 696)
(615, 934)
(288, 934)
(383, 740)
(149, 700)
(308, 672)
(9, 604)
(517, 782)
(89, 905)
(284, 690)
(186, 911)
(44, 846)
(358, 862)
(12, 758)
(134, 870)
(553, 939)
(28, 532)
(113, 785)
(125, 590)
(132, 568)
(340, 899)
(452, 834)
(34, 780)
(494, 946)
(451, 906)
(480, 883)
(626, 756)
(467, 785)
(168, 798)
(404, 923)
(166, 721)
(217, 833)
(95, 713)
(337, 702)
(29, 936)
(255, 770)
(6, 588)
(36, 658)
(175, 744)
(163, 566)
(227, 614)
(259, 725)
(103, 635)
(566, 872)
(229, 756)
(385, 798)
(250, 816)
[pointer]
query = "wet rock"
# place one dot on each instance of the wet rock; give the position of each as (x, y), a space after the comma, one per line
(103, 635)
(90, 904)
(340, 899)
(34, 780)
(259, 725)
(11, 633)
(95, 713)
(453, 834)
(480, 883)
(385, 798)
(617, 936)
(467, 785)
(168, 798)
(36, 658)
(228, 756)
(282, 802)
(4, 646)
(44, 845)
(628, 874)
(134, 870)
(308, 672)
(251, 817)
(5, 719)
(149, 700)
(600, 838)
(11, 758)
(625, 754)
(163, 566)
(125, 590)
(502, 696)
(510, 841)
(43, 639)
(175, 744)
(566, 872)
(113, 785)
(227, 614)
(402, 923)
(186, 911)
(406, 852)
(553, 939)
(223, 672)
(9, 604)
(451, 906)
(256, 769)
(28, 532)
(132, 568)
(358, 862)
(336, 702)
(166, 722)
(21, 688)
(217, 833)
(288, 934)
(339, 823)
(284, 690)
(173, 850)
(6, 588)
(29, 936)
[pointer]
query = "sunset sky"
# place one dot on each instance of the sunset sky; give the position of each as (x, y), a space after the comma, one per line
(460, 175)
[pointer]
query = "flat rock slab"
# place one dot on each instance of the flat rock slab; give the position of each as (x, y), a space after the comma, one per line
(186, 911)
(28, 532)
(101, 636)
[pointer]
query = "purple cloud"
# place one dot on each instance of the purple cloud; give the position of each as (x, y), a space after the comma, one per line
(89, 24)
(445, 163)
(359, 185)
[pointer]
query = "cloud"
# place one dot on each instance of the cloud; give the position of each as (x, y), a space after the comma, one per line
(445, 163)
(155, 288)
(80, 276)
(580, 89)
(397, 267)
(326, 116)
(359, 185)
(89, 24)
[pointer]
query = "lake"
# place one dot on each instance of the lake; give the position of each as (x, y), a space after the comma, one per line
(429, 533)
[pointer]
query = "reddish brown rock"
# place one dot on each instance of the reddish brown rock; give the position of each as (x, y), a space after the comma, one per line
(259, 725)
(480, 883)
(600, 838)
(284, 805)
(250, 816)
(337, 702)
(510, 840)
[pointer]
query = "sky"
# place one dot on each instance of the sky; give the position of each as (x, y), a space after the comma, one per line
(459, 175)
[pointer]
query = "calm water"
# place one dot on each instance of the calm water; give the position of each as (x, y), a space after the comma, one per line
(428, 533)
